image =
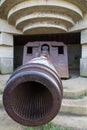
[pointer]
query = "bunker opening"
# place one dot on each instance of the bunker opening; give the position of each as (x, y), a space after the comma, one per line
(71, 42)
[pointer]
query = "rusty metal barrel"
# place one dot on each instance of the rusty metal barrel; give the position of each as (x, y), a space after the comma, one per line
(33, 93)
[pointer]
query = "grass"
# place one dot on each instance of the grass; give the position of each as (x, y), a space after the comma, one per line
(81, 96)
(49, 126)
(1, 90)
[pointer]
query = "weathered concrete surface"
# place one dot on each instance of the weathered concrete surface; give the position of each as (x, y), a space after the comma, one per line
(3, 80)
(83, 60)
(6, 53)
(76, 122)
(83, 67)
(7, 28)
(6, 65)
(6, 123)
(78, 107)
(75, 87)
(20, 12)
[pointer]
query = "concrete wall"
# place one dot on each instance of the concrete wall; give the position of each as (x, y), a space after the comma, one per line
(7, 28)
(6, 46)
(6, 53)
(83, 60)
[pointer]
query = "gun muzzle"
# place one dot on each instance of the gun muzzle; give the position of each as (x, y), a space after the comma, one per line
(33, 93)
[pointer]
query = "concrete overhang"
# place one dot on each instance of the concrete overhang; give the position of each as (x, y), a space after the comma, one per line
(54, 16)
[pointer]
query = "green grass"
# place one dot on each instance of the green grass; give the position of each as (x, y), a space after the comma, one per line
(81, 96)
(49, 126)
(1, 90)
